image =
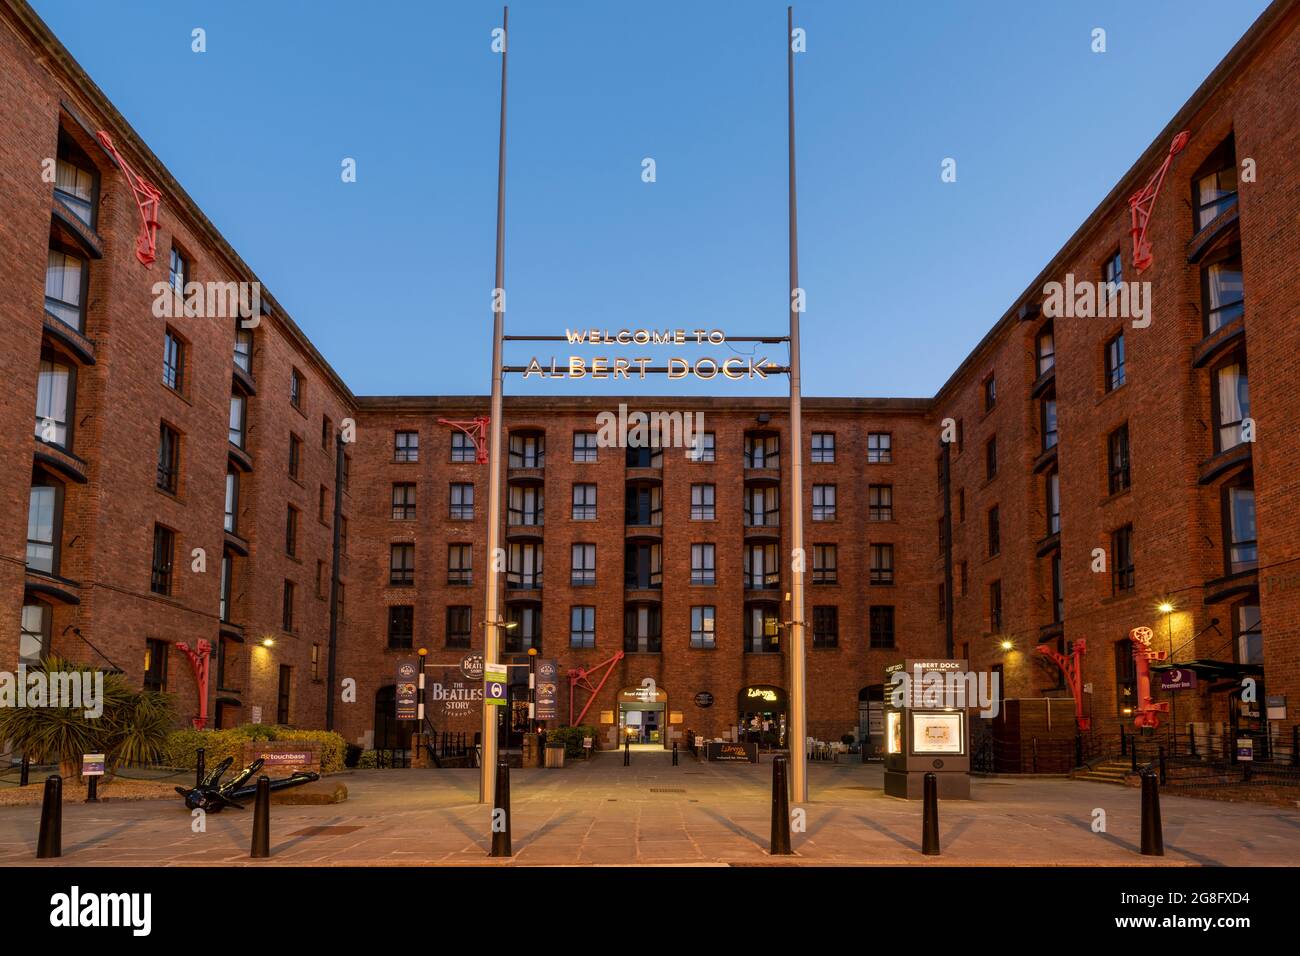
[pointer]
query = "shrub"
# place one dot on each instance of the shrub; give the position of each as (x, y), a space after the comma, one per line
(182, 745)
(131, 730)
(571, 737)
(368, 760)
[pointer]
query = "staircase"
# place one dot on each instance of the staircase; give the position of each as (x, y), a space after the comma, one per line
(1105, 771)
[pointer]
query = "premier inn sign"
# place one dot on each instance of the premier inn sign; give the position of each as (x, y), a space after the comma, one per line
(624, 367)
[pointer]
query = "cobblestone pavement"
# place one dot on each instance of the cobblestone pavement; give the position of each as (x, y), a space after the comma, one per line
(600, 812)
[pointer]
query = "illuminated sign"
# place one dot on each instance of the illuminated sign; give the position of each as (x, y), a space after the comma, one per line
(732, 367)
(766, 693)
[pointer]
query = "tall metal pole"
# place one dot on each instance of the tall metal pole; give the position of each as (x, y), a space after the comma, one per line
(491, 628)
(798, 663)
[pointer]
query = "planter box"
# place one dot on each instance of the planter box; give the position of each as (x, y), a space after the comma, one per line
(555, 756)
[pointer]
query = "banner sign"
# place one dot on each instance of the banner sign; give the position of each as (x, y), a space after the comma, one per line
(732, 753)
(471, 665)
(548, 690)
(407, 669)
(1177, 679)
(494, 684)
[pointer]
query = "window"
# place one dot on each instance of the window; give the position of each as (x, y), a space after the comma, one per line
(823, 447)
(164, 545)
(1231, 400)
(177, 272)
(401, 627)
(173, 361)
(880, 502)
(404, 501)
(762, 506)
(34, 639)
(169, 458)
(991, 458)
(295, 388)
(1117, 456)
(320, 579)
(823, 507)
(283, 691)
(962, 577)
(763, 451)
(463, 449)
(762, 567)
(462, 501)
(1125, 678)
(880, 448)
(583, 570)
(702, 502)
(1239, 515)
(1046, 349)
(882, 564)
(460, 564)
(881, 625)
(643, 505)
(1047, 410)
(55, 393)
(1115, 376)
(826, 626)
(524, 506)
(295, 456)
(1058, 596)
(762, 629)
(582, 626)
(238, 407)
(584, 446)
(995, 607)
(527, 631)
(1222, 292)
(326, 432)
(1121, 557)
(406, 446)
(702, 564)
(1248, 629)
(458, 624)
(995, 532)
(1214, 188)
(825, 564)
(231, 520)
(155, 665)
(584, 502)
(703, 618)
(990, 393)
(703, 447)
(244, 349)
(44, 513)
(644, 457)
(291, 531)
(76, 181)
(642, 565)
(1112, 274)
(321, 496)
(641, 629)
(65, 287)
(524, 566)
(401, 564)
(1053, 502)
(527, 451)
(287, 609)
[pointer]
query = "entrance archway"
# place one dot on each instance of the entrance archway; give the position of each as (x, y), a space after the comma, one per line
(643, 717)
(871, 720)
(763, 715)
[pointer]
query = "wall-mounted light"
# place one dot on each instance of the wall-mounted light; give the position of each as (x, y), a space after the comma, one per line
(268, 642)
(1005, 644)
(1164, 607)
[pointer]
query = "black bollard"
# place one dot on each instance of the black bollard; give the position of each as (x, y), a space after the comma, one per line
(24, 771)
(501, 812)
(780, 845)
(1153, 841)
(674, 753)
(49, 842)
(262, 820)
(930, 816)
(200, 767)
(92, 789)
(627, 751)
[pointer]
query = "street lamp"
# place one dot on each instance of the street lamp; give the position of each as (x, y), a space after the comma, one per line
(1167, 609)
(532, 690)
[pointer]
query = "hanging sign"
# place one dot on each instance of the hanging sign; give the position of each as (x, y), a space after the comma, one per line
(705, 368)
(407, 668)
(548, 690)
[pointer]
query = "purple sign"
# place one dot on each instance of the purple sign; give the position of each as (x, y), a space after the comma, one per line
(1177, 679)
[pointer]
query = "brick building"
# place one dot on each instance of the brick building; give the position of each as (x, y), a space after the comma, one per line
(1096, 469)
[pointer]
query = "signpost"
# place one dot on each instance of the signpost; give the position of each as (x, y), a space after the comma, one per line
(407, 698)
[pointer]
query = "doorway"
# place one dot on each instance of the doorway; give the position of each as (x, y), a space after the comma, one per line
(642, 717)
(763, 715)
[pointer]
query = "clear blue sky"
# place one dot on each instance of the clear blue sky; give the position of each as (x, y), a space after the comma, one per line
(391, 276)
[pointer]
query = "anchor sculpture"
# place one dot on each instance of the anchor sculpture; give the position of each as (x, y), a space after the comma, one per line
(212, 796)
